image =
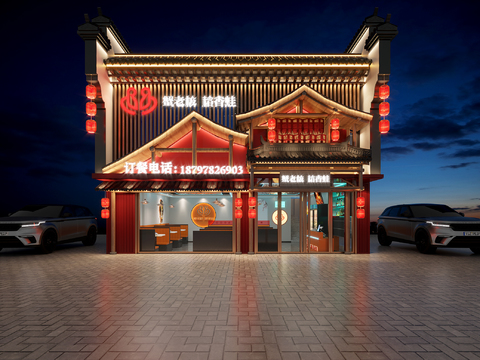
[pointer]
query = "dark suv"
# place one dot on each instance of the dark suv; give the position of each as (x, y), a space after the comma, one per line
(429, 227)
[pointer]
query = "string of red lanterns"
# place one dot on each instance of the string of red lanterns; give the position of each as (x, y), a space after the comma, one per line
(238, 212)
(91, 109)
(360, 205)
(105, 202)
(384, 109)
(252, 202)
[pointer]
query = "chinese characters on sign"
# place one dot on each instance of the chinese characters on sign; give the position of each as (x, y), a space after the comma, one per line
(207, 101)
(305, 178)
(167, 168)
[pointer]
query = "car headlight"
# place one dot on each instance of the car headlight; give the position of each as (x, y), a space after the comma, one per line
(438, 225)
(34, 224)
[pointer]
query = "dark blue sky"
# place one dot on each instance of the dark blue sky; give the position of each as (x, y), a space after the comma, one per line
(432, 152)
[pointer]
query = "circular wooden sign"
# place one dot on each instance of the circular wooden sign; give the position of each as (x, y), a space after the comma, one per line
(203, 214)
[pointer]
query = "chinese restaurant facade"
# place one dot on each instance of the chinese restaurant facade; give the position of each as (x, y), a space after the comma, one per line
(236, 154)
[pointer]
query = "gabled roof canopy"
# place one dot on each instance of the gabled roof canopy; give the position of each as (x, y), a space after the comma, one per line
(172, 135)
(318, 105)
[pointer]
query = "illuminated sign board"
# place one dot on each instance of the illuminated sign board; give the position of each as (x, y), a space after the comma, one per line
(168, 168)
(305, 178)
(207, 101)
(148, 103)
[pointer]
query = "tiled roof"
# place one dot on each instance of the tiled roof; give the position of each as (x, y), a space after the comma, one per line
(237, 60)
(172, 186)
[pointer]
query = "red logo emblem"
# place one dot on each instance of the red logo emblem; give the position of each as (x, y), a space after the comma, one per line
(130, 104)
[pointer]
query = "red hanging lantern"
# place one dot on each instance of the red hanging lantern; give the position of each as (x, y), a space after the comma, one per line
(238, 202)
(360, 213)
(384, 126)
(271, 124)
(252, 201)
(91, 126)
(384, 92)
(91, 108)
(91, 92)
(105, 214)
(238, 214)
(105, 202)
(384, 108)
(360, 201)
(252, 214)
(335, 135)
(272, 136)
(335, 123)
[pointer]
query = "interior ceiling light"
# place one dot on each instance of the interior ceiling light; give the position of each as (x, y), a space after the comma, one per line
(171, 206)
(144, 202)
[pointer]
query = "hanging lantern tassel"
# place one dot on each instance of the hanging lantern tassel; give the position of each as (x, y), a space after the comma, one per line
(384, 126)
(91, 126)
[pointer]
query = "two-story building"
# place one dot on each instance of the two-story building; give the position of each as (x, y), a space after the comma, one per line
(236, 153)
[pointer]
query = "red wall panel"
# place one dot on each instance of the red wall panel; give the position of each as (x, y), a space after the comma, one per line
(363, 225)
(125, 223)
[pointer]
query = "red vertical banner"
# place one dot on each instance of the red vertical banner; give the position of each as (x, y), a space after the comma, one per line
(363, 225)
(125, 223)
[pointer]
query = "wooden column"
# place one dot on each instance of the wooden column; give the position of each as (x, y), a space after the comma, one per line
(194, 142)
(346, 246)
(230, 150)
(279, 222)
(250, 230)
(330, 221)
(112, 224)
(237, 228)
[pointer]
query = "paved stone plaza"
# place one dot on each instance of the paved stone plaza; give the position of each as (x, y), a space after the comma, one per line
(395, 303)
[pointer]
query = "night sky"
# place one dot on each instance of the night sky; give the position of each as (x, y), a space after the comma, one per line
(432, 153)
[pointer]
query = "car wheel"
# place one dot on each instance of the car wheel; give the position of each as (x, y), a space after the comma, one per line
(475, 250)
(49, 242)
(383, 238)
(91, 237)
(422, 241)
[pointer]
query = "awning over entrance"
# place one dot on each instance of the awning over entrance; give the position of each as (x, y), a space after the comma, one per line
(157, 186)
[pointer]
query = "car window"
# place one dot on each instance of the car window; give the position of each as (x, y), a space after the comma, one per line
(405, 212)
(80, 211)
(433, 211)
(67, 212)
(87, 211)
(386, 212)
(38, 211)
(394, 211)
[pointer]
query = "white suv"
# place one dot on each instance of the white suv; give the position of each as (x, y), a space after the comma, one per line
(429, 227)
(43, 226)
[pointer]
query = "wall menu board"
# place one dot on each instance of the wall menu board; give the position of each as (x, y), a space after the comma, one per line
(305, 179)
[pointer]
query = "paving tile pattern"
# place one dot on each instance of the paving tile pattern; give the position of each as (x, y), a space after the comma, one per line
(395, 303)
